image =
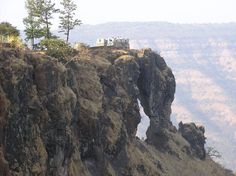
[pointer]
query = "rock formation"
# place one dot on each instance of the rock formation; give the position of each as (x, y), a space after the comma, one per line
(195, 136)
(203, 60)
(80, 117)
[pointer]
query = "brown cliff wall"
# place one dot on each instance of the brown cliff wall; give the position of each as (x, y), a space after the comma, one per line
(81, 118)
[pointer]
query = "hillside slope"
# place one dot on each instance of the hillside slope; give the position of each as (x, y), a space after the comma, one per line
(203, 59)
(81, 118)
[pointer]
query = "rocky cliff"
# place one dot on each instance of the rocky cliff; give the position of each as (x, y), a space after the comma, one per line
(81, 117)
(204, 52)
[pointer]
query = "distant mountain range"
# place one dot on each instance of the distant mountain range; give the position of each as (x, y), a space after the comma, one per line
(203, 59)
(153, 31)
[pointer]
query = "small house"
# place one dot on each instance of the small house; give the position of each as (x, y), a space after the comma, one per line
(10, 41)
(4, 41)
(119, 43)
(101, 42)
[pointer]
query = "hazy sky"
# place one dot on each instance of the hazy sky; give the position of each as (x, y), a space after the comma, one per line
(100, 11)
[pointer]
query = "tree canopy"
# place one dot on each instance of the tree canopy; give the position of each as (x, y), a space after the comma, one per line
(33, 28)
(40, 14)
(46, 9)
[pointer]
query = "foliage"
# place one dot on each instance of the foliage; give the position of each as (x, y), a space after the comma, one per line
(67, 20)
(56, 48)
(6, 29)
(38, 22)
(33, 28)
(212, 152)
(10, 35)
(46, 9)
(15, 42)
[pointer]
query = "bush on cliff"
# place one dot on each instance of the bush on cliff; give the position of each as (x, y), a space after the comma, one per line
(10, 36)
(57, 48)
(6, 29)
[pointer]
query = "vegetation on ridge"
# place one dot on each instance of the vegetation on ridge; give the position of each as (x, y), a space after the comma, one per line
(9, 35)
(7, 29)
(57, 48)
(39, 20)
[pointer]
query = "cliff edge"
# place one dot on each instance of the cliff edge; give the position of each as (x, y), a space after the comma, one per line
(80, 118)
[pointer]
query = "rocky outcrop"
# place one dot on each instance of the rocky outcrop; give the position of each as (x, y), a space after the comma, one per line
(156, 85)
(81, 117)
(195, 136)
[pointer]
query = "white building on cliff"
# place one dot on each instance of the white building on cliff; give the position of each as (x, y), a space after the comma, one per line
(120, 43)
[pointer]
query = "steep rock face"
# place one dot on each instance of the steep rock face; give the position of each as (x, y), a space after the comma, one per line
(80, 118)
(203, 60)
(157, 86)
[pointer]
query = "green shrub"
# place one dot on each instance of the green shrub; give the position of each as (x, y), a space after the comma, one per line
(56, 48)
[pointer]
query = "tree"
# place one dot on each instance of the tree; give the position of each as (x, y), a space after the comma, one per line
(67, 20)
(212, 152)
(6, 29)
(46, 9)
(33, 28)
